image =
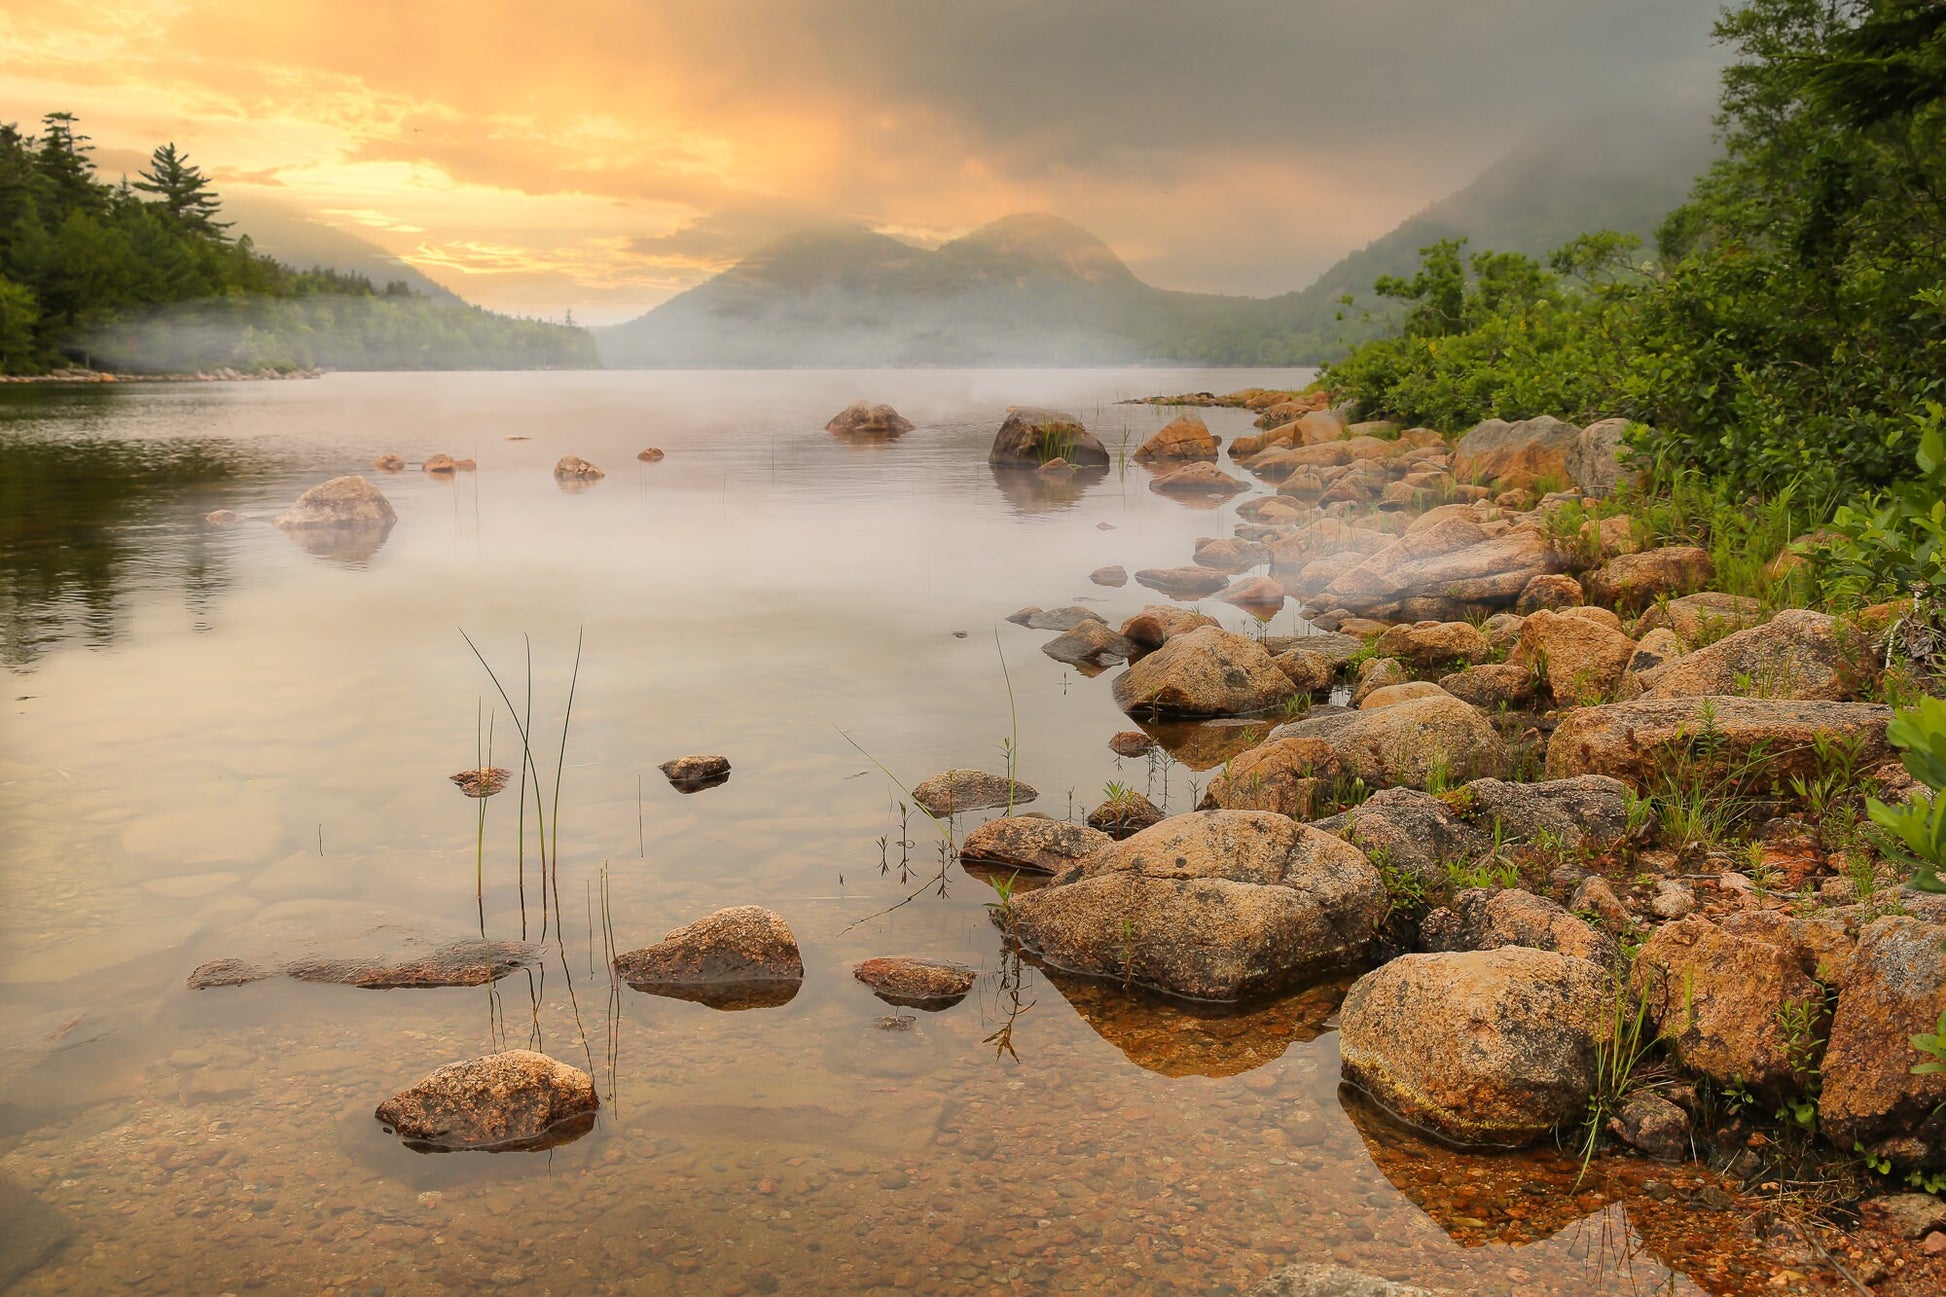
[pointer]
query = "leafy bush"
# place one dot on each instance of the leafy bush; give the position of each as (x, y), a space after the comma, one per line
(1918, 827)
(1894, 542)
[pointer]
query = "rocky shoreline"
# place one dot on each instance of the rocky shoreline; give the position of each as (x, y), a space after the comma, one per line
(223, 375)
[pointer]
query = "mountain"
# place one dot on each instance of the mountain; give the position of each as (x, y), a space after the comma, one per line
(1033, 289)
(282, 231)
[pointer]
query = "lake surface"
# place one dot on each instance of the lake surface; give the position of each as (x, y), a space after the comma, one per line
(219, 743)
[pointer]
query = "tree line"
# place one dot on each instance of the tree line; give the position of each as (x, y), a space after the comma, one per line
(144, 276)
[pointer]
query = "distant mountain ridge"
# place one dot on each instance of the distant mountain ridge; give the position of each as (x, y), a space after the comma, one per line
(1033, 289)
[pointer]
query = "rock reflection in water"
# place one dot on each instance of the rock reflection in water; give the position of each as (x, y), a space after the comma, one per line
(768, 993)
(1183, 1038)
(1029, 491)
(561, 1132)
(350, 545)
(1205, 745)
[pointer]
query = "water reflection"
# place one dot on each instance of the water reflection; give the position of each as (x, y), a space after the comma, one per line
(352, 545)
(1031, 491)
(765, 993)
(76, 528)
(1181, 1038)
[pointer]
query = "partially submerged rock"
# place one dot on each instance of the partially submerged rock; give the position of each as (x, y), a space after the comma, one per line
(1207, 672)
(1130, 743)
(1124, 814)
(1336, 1281)
(738, 958)
(573, 468)
(500, 1103)
(389, 463)
(343, 502)
(483, 782)
(471, 962)
(1482, 1048)
(441, 464)
(1186, 437)
(649, 455)
(1032, 842)
(1214, 906)
(694, 773)
(868, 419)
(1054, 618)
(955, 791)
(1182, 582)
(1029, 437)
(1155, 625)
(1093, 644)
(910, 983)
(1115, 576)
(1198, 479)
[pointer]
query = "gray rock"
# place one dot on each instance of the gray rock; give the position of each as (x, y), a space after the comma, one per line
(954, 792)
(1653, 1125)
(1054, 618)
(1032, 842)
(1092, 644)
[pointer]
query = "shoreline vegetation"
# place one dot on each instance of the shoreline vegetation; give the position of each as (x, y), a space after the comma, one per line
(142, 277)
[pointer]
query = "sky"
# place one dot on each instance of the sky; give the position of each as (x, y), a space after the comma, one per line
(603, 155)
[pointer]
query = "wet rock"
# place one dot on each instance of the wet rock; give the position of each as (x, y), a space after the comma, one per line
(1124, 815)
(910, 983)
(1054, 619)
(442, 464)
(1032, 842)
(1181, 582)
(1796, 654)
(1056, 467)
(1336, 1281)
(1516, 454)
(1186, 437)
(1430, 644)
(1703, 617)
(1633, 581)
(1633, 741)
(1407, 742)
(389, 463)
(1260, 596)
(499, 1103)
(1282, 777)
(483, 782)
(1488, 920)
(1197, 479)
(1717, 999)
(868, 419)
(1490, 1048)
(1216, 905)
(1093, 644)
(693, 773)
(1207, 672)
(472, 962)
(576, 469)
(1581, 660)
(227, 972)
(1116, 576)
(1157, 624)
(1549, 590)
(742, 957)
(650, 455)
(343, 502)
(1029, 437)
(1131, 743)
(220, 517)
(1894, 989)
(1651, 1124)
(1312, 673)
(1393, 695)
(956, 791)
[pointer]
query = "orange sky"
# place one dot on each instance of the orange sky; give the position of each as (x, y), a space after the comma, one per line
(604, 154)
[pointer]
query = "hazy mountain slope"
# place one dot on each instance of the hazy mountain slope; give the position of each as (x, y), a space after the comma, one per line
(1036, 290)
(284, 232)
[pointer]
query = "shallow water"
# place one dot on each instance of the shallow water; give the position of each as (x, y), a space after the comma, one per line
(219, 743)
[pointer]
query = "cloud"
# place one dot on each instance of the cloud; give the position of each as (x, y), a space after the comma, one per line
(1238, 147)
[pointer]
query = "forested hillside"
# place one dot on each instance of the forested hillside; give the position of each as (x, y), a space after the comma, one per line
(145, 276)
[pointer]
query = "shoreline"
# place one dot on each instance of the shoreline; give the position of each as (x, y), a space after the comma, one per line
(221, 375)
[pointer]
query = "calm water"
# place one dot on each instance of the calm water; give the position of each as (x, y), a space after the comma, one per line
(218, 743)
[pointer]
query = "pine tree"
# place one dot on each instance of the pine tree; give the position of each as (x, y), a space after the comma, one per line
(182, 192)
(65, 167)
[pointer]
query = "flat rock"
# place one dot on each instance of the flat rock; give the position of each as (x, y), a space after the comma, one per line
(1054, 618)
(1197, 479)
(1032, 842)
(954, 792)
(501, 1102)
(1635, 741)
(472, 962)
(483, 782)
(1336, 1281)
(916, 983)
(1182, 582)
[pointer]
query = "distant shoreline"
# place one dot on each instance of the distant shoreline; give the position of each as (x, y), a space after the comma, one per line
(224, 375)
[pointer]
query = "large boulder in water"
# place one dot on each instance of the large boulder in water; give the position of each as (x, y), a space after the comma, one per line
(1197, 479)
(742, 957)
(868, 419)
(1207, 672)
(1483, 1048)
(1033, 843)
(1187, 437)
(928, 984)
(349, 502)
(1029, 437)
(954, 792)
(513, 1100)
(1216, 905)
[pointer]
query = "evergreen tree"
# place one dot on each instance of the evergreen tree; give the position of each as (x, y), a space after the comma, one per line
(182, 192)
(64, 165)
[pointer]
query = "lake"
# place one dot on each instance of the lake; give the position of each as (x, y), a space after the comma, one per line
(219, 743)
